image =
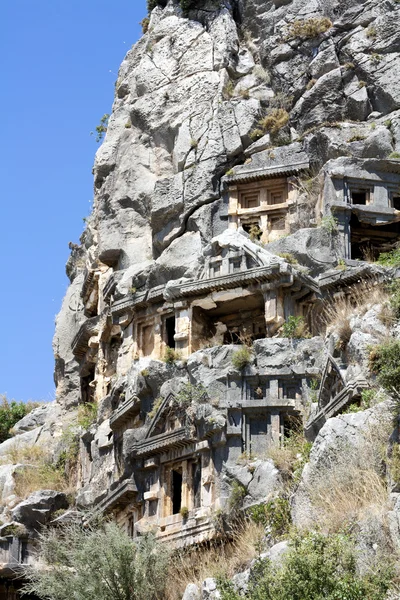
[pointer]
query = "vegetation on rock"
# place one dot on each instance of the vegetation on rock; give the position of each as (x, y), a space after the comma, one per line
(295, 327)
(242, 357)
(309, 28)
(315, 566)
(10, 413)
(384, 361)
(99, 562)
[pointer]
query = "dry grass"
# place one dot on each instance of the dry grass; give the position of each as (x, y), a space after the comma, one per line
(337, 312)
(195, 564)
(38, 472)
(354, 485)
(275, 120)
(290, 457)
(308, 28)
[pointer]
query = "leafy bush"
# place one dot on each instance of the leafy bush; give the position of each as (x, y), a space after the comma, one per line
(156, 405)
(289, 258)
(87, 415)
(368, 399)
(384, 361)
(394, 155)
(389, 259)
(371, 32)
(274, 516)
(98, 563)
(171, 355)
(309, 28)
(394, 298)
(294, 327)
(330, 223)
(10, 413)
(394, 463)
(145, 24)
(241, 358)
(191, 394)
(315, 567)
(238, 493)
(184, 512)
(101, 128)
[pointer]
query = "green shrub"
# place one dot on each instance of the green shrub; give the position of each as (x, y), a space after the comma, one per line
(156, 405)
(171, 355)
(384, 361)
(241, 358)
(145, 24)
(238, 493)
(98, 563)
(371, 32)
(101, 128)
(309, 28)
(87, 414)
(184, 512)
(389, 259)
(369, 397)
(289, 258)
(10, 413)
(191, 394)
(229, 90)
(356, 138)
(315, 567)
(394, 463)
(394, 155)
(394, 298)
(330, 223)
(274, 516)
(294, 327)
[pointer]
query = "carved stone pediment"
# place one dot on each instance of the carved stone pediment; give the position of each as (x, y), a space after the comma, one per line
(331, 384)
(168, 418)
(231, 253)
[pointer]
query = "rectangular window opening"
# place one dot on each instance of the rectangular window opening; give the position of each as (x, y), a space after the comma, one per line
(176, 492)
(360, 196)
(170, 331)
(396, 202)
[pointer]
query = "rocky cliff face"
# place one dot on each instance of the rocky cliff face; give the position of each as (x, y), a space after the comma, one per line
(249, 166)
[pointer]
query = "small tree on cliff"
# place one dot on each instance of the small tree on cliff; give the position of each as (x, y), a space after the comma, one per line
(10, 413)
(98, 563)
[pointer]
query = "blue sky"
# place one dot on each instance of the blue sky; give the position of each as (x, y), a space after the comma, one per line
(59, 60)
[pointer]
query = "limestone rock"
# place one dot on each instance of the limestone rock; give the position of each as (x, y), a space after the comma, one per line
(39, 507)
(209, 589)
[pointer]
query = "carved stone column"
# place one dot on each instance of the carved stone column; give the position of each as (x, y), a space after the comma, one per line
(274, 309)
(233, 207)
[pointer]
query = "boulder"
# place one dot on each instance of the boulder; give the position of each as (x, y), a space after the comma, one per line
(192, 592)
(39, 507)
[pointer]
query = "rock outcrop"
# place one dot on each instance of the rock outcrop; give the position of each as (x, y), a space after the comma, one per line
(248, 178)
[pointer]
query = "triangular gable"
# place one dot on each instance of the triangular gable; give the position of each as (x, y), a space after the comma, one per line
(332, 383)
(231, 252)
(166, 410)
